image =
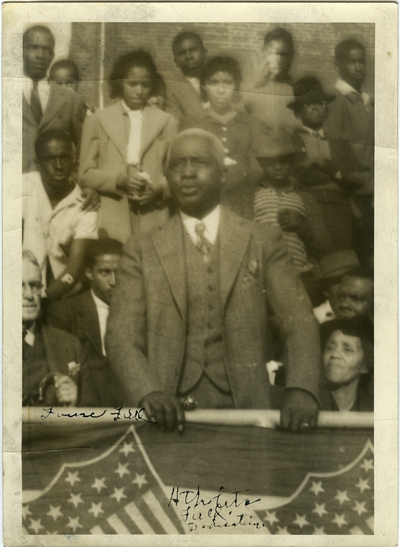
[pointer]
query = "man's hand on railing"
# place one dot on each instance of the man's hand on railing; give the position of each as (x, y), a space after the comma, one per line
(299, 410)
(166, 410)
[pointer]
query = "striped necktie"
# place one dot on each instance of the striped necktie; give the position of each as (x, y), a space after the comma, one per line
(36, 105)
(202, 243)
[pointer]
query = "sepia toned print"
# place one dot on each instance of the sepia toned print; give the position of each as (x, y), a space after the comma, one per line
(198, 276)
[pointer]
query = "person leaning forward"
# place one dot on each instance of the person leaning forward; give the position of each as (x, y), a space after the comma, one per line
(188, 321)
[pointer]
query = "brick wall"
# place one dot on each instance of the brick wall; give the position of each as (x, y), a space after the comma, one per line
(314, 43)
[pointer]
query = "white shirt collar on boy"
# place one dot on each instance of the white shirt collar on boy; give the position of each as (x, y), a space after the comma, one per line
(346, 89)
(211, 222)
(313, 132)
(102, 312)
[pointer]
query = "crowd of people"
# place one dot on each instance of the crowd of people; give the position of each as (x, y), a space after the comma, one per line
(203, 242)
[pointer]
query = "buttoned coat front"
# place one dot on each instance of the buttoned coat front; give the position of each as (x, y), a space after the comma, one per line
(146, 335)
(103, 160)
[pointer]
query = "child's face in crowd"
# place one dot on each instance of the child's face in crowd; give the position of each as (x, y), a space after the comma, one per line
(277, 58)
(189, 56)
(353, 69)
(158, 101)
(277, 170)
(102, 276)
(354, 297)
(313, 115)
(64, 78)
(56, 163)
(343, 358)
(136, 87)
(220, 89)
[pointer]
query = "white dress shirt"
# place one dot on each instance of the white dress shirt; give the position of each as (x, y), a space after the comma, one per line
(324, 312)
(346, 89)
(43, 90)
(211, 222)
(135, 135)
(102, 311)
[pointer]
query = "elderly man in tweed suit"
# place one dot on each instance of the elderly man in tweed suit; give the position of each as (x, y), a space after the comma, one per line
(188, 323)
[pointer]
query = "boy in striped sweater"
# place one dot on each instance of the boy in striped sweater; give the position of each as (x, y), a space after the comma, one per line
(277, 201)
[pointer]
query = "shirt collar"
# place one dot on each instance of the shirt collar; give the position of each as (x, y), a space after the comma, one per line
(99, 303)
(211, 222)
(313, 131)
(132, 113)
(347, 90)
(30, 335)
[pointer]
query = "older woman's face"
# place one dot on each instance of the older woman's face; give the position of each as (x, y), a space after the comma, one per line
(343, 358)
(136, 87)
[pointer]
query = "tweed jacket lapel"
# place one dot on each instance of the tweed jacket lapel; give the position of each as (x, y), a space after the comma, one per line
(57, 99)
(154, 121)
(169, 246)
(90, 321)
(112, 121)
(234, 240)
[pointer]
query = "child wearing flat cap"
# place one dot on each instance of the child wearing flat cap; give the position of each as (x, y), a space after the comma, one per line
(277, 201)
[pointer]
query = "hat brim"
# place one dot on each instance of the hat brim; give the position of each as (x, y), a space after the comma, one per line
(306, 100)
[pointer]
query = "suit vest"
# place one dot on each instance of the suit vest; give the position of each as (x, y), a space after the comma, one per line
(204, 342)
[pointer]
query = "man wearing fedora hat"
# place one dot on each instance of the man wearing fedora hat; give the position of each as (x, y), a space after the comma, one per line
(322, 165)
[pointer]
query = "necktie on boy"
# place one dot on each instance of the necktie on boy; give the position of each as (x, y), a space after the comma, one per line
(202, 243)
(36, 105)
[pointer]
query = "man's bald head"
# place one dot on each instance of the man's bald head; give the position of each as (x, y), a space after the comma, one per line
(215, 145)
(196, 171)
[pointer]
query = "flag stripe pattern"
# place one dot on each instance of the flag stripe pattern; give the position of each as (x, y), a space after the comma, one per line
(338, 503)
(118, 492)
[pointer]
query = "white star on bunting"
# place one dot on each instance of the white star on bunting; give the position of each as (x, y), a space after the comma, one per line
(96, 509)
(367, 465)
(300, 520)
(339, 520)
(127, 449)
(122, 470)
(360, 507)
(140, 480)
(73, 478)
(99, 484)
(55, 512)
(363, 485)
(318, 531)
(25, 511)
(76, 499)
(341, 496)
(316, 487)
(36, 525)
(74, 524)
(118, 494)
(320, 509)
(271, 518)
(282, 531)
